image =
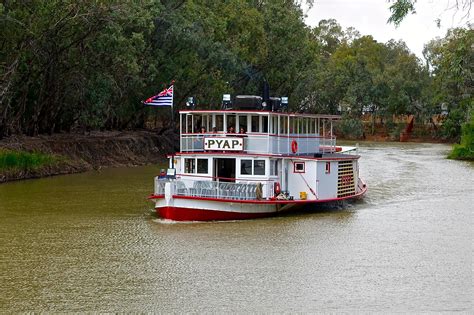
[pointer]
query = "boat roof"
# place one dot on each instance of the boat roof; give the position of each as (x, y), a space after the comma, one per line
(326, 156)
(260, 112)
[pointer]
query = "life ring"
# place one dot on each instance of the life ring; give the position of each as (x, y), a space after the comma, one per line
(276, 188)
(294, 146)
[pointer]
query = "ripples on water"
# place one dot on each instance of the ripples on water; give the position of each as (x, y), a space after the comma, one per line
(89, 242)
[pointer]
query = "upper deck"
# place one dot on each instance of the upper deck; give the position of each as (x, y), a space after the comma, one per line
(256, 132)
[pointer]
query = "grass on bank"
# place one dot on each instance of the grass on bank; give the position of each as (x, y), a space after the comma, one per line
(465, 150)
(26, 161)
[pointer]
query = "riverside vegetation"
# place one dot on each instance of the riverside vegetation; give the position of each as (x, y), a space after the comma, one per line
(81, 66)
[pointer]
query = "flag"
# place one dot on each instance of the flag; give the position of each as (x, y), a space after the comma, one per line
(164, 98)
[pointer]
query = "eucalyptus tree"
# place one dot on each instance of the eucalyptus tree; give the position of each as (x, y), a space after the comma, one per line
(70, 63)
(450, 60)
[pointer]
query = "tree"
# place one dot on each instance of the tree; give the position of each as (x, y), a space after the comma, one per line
(401, 8)
(450, 60)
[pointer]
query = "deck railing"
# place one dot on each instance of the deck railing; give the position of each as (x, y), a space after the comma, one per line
(241, 190)
(266, 143)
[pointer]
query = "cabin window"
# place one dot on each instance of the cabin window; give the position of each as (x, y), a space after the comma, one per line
(283, 125)
(275, 125)
(299, 167)
(246, 167)
(255, 122)
(328, 167)
(300, 125)
(231, 122)
(259, 167)
(293, 129)
(220, 122)
(189, 166)
(242, 123)
(249, 167)
(265, 124)
(202, 166)
(189, 123)
(197, 123)
(274, 167)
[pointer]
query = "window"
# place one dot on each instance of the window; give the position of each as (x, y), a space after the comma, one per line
(328, 167)
(265, 124)
(202, 166)
(189, 123)
(275, 125)
(242, 123)
(274, 167)
(189, 166)
(299, 167)
(259, 167)
(231, 123)
(283, 125)
(252, 167)
(220, 122)
(255, 122)
(246, 167)
(198, 123)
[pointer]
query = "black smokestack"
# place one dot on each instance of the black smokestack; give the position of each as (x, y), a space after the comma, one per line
(266, 91)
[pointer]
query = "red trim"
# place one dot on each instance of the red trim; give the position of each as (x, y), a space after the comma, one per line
(302, 157)
(192, 214)
(207, 111)
(227, 178)
(222, 134)
(153, 196)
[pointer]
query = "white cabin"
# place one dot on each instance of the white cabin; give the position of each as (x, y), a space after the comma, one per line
(263, 155)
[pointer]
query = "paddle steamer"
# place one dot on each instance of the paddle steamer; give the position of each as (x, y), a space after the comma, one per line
(253, 159)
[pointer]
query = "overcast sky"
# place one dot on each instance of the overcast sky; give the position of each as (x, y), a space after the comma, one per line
(370, 17)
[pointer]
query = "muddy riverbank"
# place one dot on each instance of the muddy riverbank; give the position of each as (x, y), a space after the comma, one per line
(76, 153)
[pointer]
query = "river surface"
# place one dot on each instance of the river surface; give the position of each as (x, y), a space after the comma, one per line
(90, 242)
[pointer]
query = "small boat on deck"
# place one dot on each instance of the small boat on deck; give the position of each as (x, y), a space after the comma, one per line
(248, 160)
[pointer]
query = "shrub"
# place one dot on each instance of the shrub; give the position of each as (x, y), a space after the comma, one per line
(465, 150)
(350, 128)
(20, 160)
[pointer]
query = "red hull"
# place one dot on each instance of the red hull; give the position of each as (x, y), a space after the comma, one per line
(188, 214)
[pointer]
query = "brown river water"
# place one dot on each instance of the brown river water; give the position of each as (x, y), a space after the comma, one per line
(91, 243)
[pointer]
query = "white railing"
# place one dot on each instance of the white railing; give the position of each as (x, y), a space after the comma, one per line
(266, 143)
(241, 190)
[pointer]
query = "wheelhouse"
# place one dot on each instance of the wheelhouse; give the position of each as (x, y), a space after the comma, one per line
(257, 132)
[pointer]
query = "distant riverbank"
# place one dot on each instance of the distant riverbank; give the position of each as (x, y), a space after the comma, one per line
(24, 157)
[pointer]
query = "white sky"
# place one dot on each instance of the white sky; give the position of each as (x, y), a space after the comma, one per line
(370, 17)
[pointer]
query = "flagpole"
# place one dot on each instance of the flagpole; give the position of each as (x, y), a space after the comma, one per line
(172, 107)
(172, 110)
(172, 121)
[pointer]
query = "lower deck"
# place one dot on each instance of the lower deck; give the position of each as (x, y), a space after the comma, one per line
(258, 178)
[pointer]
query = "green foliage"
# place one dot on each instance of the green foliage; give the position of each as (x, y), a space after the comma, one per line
(84, 65)
(26, 161)
(400, 9)
(451, 61)
(350, 128)
(465, 150)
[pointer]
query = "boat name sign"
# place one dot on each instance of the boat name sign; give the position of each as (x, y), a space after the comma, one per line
(228, 144)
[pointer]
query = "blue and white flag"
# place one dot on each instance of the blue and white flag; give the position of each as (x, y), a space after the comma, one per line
(164, 98)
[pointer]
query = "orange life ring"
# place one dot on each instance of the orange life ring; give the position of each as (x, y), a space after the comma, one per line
(294, 146)
(276, 188)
